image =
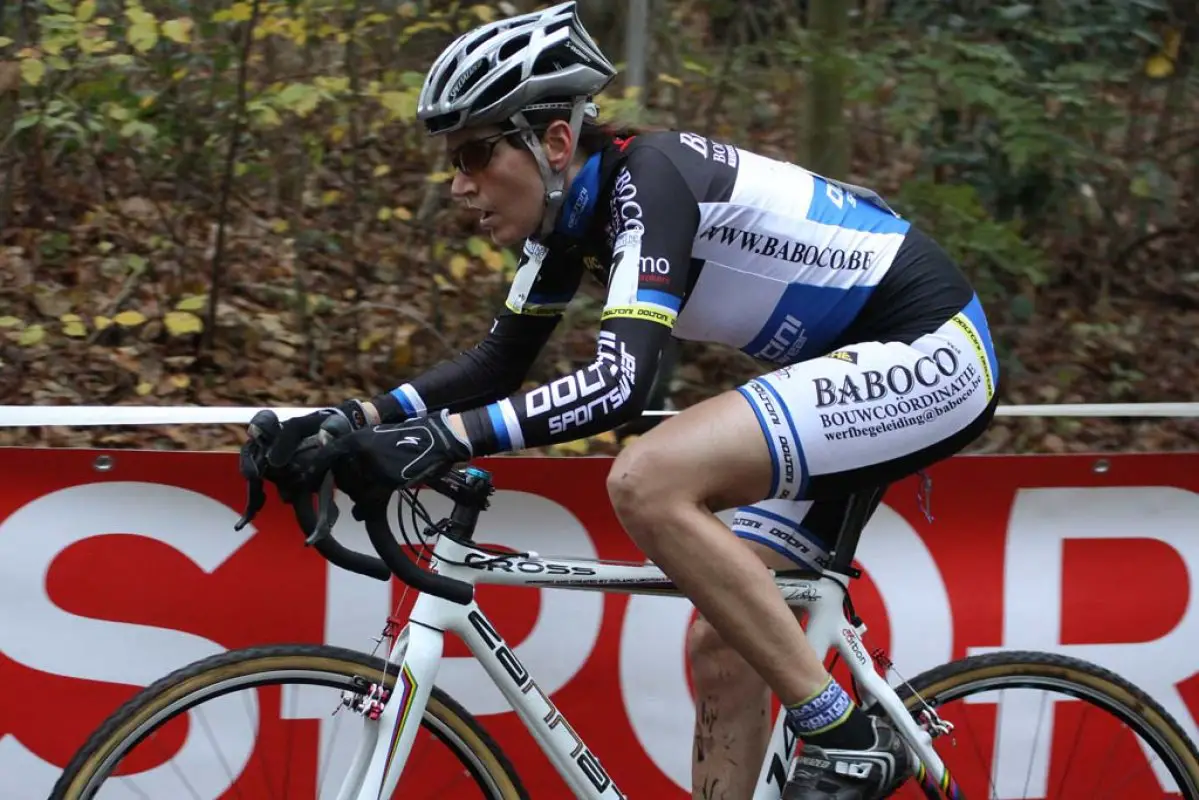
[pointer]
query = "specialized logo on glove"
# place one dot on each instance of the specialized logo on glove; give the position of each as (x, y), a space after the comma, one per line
(391, 454)
(416, 441)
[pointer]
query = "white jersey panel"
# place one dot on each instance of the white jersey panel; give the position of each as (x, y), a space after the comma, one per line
(782, 187)
(788, 259)
(793, 249)
(728, 306)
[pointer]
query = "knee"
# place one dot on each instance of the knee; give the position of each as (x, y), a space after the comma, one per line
(714, 664)
(638, 485)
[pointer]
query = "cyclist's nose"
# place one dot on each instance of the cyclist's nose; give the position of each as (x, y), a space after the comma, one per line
(463, 186)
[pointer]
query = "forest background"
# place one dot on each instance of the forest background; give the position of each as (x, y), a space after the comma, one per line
(218, 203)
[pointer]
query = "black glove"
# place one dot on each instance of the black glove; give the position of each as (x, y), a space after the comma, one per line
(256, 466)
(282, 452)
(285, 444)
(370, 463)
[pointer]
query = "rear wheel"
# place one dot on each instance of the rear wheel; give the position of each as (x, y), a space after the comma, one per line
(265, 722)
(1038, 725)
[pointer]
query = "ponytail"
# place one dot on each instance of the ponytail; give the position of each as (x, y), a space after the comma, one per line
(593, 136)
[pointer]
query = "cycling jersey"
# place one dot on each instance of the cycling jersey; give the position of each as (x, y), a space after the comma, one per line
(707, 242)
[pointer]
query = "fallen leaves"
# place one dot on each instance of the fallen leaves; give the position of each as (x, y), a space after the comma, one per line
(192, 303)
(34, 334)
(182, 323)
(105, 301)
(178, 30)
(129, 319)
(72, 325)
(459, 265)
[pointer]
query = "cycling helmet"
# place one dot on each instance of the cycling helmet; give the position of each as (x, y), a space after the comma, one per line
(496, 72)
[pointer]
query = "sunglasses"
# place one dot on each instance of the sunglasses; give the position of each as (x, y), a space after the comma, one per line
(474, 155)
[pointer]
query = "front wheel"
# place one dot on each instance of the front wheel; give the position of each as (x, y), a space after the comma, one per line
(1039, 725)
(270, 722)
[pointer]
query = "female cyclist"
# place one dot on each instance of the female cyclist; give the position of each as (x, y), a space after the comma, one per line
(879, 364)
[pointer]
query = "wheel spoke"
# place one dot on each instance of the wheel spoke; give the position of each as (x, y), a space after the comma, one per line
(1107, 714)
(296, 735)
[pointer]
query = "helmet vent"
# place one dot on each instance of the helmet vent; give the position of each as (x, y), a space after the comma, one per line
(483, 37)
(490, 73)
(500, 88)
(552, 60)
(513, 46)
(473, 75)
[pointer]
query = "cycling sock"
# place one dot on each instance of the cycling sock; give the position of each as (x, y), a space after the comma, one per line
(830, 718)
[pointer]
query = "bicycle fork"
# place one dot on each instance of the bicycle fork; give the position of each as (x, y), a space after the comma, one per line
(415, 659)
(397, 712)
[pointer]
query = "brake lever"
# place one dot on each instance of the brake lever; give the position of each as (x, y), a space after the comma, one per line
(326, 508)
(263, 427)
(255, 500)
(326, 512)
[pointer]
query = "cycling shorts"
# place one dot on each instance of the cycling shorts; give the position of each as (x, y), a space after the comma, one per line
(865, 415)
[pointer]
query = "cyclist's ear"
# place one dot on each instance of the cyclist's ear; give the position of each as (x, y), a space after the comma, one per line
(558, 144)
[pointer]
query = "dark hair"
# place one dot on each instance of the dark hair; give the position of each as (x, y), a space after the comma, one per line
(593, 136)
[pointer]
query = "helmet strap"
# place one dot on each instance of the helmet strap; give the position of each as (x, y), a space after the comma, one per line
(554, 180)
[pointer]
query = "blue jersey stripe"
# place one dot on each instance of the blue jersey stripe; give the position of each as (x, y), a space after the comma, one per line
(659, 298)
(802, 489)
(500, 427)
(405, 403)
(852, 212)
(781, 520)
(774, 462)
(806, 320)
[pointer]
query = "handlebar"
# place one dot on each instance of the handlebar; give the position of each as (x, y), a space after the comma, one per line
(311, 522)
(469, 488)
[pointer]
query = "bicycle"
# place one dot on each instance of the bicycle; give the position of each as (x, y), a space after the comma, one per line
(396, 698)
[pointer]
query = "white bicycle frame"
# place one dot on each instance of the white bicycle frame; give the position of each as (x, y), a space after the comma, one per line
(417, 651)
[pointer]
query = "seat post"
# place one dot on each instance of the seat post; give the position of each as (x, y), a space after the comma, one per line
(857, 511)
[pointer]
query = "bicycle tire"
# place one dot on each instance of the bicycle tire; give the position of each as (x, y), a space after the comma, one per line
(444, 717)
(1070, 675)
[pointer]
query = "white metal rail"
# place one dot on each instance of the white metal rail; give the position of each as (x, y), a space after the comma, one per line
(86, 416)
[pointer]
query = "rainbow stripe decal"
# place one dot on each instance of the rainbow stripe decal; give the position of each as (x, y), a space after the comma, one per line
(948, 787)
(407, 689)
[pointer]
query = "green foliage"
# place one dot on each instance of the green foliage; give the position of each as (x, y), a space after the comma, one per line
(1023, 119)
(1024, 139)
(1039, 143)
(992, 252)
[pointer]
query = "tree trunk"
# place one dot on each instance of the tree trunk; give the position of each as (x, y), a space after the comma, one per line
(825, 134)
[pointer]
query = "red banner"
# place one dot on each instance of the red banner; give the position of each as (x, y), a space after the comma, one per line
(110, 579)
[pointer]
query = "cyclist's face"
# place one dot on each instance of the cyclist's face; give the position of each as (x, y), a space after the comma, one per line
(499, 180)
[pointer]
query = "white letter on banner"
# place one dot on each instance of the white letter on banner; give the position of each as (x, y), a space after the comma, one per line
(1042, 521)
(44, 637)
(653, 677)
